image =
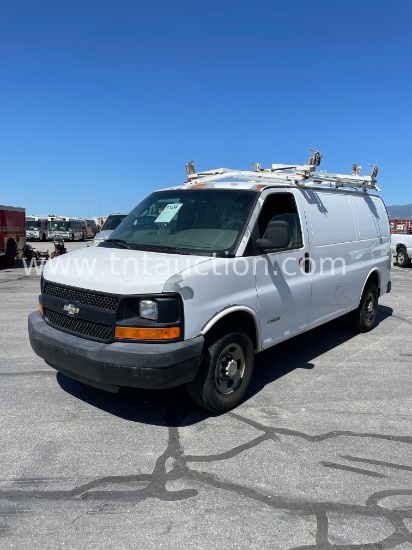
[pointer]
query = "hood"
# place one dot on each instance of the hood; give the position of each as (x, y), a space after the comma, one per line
(118, 271)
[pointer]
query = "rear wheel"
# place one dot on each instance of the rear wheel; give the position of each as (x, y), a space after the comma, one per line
(402, 257)
(363, 317)
(225, 371)
(10, 254)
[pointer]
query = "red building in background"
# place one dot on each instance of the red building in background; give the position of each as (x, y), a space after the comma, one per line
(401, 226)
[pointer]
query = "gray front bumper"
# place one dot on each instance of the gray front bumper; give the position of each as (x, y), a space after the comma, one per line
(108, 366)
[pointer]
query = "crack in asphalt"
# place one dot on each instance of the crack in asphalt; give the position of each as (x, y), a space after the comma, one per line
(172, 465)
(377, 463)
(351, 469)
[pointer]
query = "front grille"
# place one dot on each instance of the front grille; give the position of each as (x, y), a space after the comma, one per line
(81, 327)
(80, 296)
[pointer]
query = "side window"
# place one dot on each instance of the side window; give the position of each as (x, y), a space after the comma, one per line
(282, 207)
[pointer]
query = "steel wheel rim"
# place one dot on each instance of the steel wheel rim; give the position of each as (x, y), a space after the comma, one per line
(401, 257)
(370, 307)
(230, 368)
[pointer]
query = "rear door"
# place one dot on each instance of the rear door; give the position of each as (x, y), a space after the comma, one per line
(337, 254)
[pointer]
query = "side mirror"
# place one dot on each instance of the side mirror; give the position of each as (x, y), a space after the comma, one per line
(277, 235)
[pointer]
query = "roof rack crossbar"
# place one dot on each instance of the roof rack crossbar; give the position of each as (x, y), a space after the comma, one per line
(228, 173)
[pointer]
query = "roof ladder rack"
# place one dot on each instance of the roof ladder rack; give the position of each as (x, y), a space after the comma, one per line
(289, 174)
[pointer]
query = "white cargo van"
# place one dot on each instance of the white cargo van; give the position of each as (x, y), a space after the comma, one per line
(199, 278)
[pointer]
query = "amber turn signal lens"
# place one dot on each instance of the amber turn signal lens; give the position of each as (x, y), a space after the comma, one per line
(133, 333)
(41, 309)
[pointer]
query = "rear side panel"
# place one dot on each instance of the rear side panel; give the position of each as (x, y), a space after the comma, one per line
(383, 251)
(349, 237)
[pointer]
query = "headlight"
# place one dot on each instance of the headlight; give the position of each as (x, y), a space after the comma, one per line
(148, 309)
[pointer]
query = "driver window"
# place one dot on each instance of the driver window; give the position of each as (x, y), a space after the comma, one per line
(282, 207)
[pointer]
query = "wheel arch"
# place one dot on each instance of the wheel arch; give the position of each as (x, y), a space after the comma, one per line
(234, 315)
(400, 245)
(12, 242)
(374, 276)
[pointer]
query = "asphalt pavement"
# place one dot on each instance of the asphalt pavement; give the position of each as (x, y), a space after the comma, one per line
(317, 456)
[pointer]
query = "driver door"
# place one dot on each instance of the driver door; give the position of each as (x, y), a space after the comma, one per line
(282, 282)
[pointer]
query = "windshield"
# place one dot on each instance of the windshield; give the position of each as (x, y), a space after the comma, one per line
(113, 221)
(191, 221)
(32, 225)
(59, 226)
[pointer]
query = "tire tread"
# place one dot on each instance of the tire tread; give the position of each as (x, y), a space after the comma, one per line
(201, 390)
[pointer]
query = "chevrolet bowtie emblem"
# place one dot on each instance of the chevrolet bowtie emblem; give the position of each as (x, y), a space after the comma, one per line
(71, 309)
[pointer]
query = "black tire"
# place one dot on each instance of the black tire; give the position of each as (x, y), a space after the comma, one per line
(362, 319)
(225, 371)
(402, 257)
(10, 254)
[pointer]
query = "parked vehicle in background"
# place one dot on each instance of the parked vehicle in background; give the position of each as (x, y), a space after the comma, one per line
(111, 223)
(78, 227)
(199, 278)
(401, 249)
(73, 229)
(12, 233)
(36, 228)
(89, 231)
(92, 229)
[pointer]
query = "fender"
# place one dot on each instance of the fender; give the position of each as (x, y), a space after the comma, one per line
(367, 278)
(234, 309)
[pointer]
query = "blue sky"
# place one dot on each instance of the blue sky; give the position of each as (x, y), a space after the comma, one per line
(102, 102)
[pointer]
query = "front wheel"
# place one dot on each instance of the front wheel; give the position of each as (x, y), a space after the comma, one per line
(363, 317)
(402, 258)
(225, 371)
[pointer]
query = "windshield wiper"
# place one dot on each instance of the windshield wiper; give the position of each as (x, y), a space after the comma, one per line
(119, 242)
(161, 248)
